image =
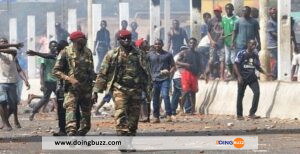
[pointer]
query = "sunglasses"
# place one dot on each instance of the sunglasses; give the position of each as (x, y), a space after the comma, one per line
(125, 38)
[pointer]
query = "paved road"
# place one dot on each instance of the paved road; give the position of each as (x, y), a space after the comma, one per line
(275, 135)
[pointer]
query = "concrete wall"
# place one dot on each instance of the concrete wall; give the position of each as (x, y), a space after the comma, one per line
(277, 99)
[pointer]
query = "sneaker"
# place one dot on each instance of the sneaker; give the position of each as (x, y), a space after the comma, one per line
(181, 114)
(80, 133)
(145, 120)
(240, 118)
(190, 114)
(18, 125)
(72, 134)
(163, 116)
(60, 133)
(253, 116)
(173, 117)
(169, 119)
(156, 120)
(31, 116)
(6, 127)
(97, 113)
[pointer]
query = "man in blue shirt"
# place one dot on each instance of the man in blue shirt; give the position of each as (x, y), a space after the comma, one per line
(246, 29)
(272, 38)
(204, 26)
(102, 43)
(162, 67)
(246, 62)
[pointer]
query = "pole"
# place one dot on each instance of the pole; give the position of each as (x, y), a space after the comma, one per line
(72, 20)
(13, 37)
(90, 23)
(167, 18)
(154, 20)
(63, 13)
(97, 17)
(284, 43)
(51, 26)
(264, 55)
(123, 12)
(195, 18)
(31, 45)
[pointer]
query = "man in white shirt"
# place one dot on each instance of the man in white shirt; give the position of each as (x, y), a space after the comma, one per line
(203, 49)
(8, 80)
(177, 87)
(295, 67)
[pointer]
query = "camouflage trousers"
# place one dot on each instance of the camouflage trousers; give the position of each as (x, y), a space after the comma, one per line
(127, 111)
(82, 100)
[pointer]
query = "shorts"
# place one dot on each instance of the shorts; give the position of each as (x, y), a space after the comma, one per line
(230, 55)
(189, 81)
(8, 94)
(216, 54)
(19, 85)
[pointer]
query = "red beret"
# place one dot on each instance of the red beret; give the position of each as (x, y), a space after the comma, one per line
(218, 8)
(124, 33)
(139, 42)
(76, 35)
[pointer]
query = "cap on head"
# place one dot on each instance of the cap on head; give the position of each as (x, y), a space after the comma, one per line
(139, 42)
(184, 47)
(124, 33)
(218, 8)
(76, 35)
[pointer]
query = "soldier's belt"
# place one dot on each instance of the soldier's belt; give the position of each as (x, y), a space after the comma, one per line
(123, 88)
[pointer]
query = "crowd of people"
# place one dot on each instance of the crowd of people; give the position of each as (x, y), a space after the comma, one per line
(134, 73)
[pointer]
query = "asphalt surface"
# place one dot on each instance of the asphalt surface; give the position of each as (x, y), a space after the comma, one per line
(275, 135)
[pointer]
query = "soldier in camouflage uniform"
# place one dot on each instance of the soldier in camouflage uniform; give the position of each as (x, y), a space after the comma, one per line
(74, 64)
(126, 73)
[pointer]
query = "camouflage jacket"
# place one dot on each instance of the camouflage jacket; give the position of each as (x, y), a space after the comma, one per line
(77, 65)
(109, 70)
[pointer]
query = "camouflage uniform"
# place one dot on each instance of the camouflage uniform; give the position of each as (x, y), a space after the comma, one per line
(79, 66)
(127, 75)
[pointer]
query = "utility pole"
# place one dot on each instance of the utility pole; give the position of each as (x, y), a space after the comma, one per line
(195, 18)
(72, 20)
(97, 17)
(63, 13)
(284, 40)
(154, 20)
(264, 55)
(31, 46)
(90, 23)
(51, 26)
(123, 12)
(238, 6)
(13, 33)
(167, 18)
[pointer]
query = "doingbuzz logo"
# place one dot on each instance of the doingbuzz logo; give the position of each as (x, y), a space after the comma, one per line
(237, 143)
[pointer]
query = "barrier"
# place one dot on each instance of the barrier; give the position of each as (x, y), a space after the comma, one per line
(277, 99)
